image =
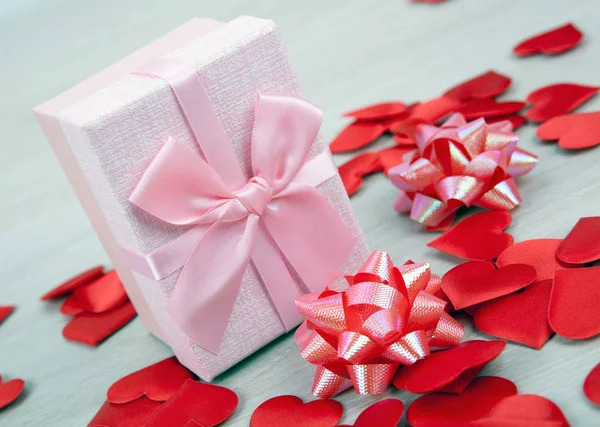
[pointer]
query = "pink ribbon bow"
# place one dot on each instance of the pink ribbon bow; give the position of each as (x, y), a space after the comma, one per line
(274, 216)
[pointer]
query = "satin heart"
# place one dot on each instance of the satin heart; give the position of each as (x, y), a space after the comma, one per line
(591, 386)
(582, 244)
(384, 110)
(478, 237)
(474, 282)
(157, 382)
(92, 328)
(289, 411)
(557, 99)
(489, 107)
(554, 41)
(100, 295)
(393, 156)
(443, 368)
(524, 410)
(538, 253)
(574, 304)
(5, 311)
(352, 172)
(573, 131)
(487, 85)
(440, 409)
(520, 317)
(10, 391)
(386, 413)
(132, 414)
(71, 306)
(195, 403)
(435, 109)
(357, 135)
(73, 283)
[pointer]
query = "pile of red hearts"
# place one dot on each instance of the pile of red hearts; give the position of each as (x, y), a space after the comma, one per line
(12, 389)
(164, 394)
(535, 288)
(99, 303)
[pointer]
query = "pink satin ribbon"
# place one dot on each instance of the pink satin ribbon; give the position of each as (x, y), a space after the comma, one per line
(388, 316)
(274, 216)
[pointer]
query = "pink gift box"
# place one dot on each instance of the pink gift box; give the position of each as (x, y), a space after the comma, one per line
(107, 130)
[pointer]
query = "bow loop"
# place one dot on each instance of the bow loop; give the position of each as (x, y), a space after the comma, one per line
(256, 195)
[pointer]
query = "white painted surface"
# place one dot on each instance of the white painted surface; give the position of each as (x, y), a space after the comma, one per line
(348, 54)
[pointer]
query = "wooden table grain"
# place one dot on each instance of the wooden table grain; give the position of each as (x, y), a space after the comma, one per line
(347, 54)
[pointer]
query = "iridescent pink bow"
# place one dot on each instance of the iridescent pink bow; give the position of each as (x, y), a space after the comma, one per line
(387, 317)
(460, 164)
(275, 216)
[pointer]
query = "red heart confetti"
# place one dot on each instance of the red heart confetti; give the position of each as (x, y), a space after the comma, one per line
(520, 317)
(195, 403)
(554, 41)
(71, 306)
(10, 390)
(434, 109)
(515, 120)
(524, 410)
(478, 237)
(538, 253)
(386, 413)
(92, 328)
(5, 311)
(440, 409)
(489, 107)
(474, 282)
(582, 244)
(393, 156)
(573, 131)
(574, 303)
(133, 414)
(442, 368)
(353, 171)
(557, 99)
(487, 85)
(101, 295)
(73, 283)
(357, 135)
(591, 386)
(384, 110)
(291, 412)
(157, 382)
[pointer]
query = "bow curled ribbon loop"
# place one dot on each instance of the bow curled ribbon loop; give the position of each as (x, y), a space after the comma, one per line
(460, 164)
(388, 316)
(274, 216)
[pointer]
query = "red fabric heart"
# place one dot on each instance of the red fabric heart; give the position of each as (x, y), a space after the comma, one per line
(435, 109)
(591, 386)
(440, 409)
(74, 282)
(487, 85)
(10, 391)
(393, 156)
(157, 382)
(384, 110)
(133, 414)
(557, 99)
(515, 120)
(489, 107)
(573, 131)
(357, 135)
(291, 412)
(474, 282)
(5, 311)
(205, 405)
(520, 317)
(478, 237)
(352, 172)
(574, 304)
(386, 413)
(582, 244)
(100, 295)
(71, 306)
(524, 410)
(538, 253)
(554, 41)
(442, 368)
(92, 328)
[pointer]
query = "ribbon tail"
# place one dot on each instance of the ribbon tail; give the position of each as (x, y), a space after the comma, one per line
(300, 219)
(208, 285)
